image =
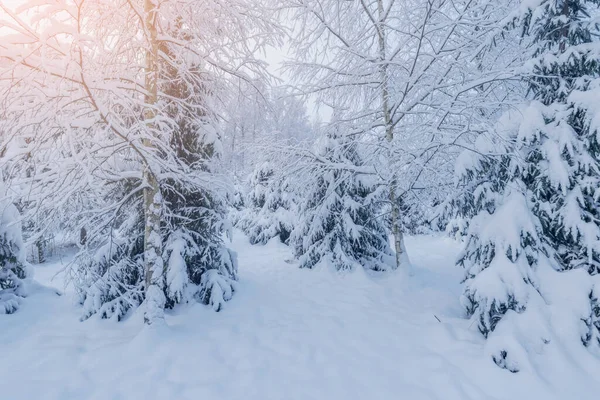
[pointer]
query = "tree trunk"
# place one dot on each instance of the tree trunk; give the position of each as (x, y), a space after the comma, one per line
(39, 244)
(232, 160)
(401, 256)
(243, 152)
(153, 263)
(83, 236)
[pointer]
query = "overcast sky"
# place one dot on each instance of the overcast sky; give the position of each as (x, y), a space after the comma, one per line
(11, 3)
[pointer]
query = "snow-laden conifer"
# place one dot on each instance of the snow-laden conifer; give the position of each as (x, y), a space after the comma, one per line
(269, 207)
(340, 216)
(13, 267)
(531, 188)
(130, 155)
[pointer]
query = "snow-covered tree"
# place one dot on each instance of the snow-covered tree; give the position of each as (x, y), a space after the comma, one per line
(341, 223)
(195, 221)
(13, 267)
(566, 81)
(137, 133)
(531, 189)
(565, 169)
(269, 207)
(503, 244)
(406, 75)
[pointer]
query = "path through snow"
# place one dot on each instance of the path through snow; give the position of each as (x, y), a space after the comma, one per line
(287, 334)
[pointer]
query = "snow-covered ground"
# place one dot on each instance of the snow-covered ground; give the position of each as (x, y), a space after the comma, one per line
(287, 334)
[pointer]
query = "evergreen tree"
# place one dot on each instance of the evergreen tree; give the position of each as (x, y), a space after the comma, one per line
(136, 138)
(195, 221)
(532, 190)
(503, 245)
(13, 269)
(340, 224)
(197, 264)
(109, 279)
(565, 170)
(269, 206)
(565, 75)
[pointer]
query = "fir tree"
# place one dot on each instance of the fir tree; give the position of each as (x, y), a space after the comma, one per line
(341, 223)
(566, 73)
(197, 264)
(269, 206)
(13, 268)
(565, 170)
(195, 220)
(109, 278)
(531, 191)
(503, 245)
(138, 129)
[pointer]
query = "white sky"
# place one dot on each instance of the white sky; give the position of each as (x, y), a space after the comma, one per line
(11, 3)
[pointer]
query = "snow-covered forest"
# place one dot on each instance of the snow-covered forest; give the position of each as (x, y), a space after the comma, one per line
(300, 199)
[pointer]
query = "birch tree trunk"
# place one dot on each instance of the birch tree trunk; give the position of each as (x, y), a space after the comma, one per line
(401, 256)
(153, 263)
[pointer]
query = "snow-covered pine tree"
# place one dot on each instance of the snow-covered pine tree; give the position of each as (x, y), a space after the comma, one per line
(502, 246)
(13, 267)
(341, 225)
(403, 73)
(531, 193)
(198, 266)
(268, 207)
(109, 273)
(139, 147)
(566, 82)
(196, 257)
